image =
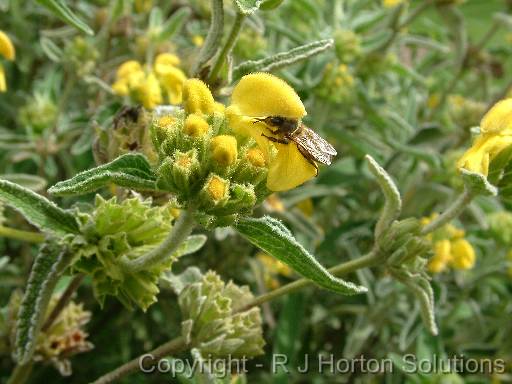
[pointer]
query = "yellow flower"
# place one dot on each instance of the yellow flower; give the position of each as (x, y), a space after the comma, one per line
(495, 136)
(273, 267)
(6, 47)
(164, 62)
(197, 98)
(195, 125)
(224, 149)
(148, 91)
(392, 3)
(306, 207)
(120, 87)
(127, 68)
(217, 188)
(274, 203)
(262, 95)
(198, 40)
(463, 254)
(442, 256)
(172, 81)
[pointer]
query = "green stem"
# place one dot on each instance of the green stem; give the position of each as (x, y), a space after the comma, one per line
(179, 233)
(213, 38)
(21, 373)
(452, 212)
(226, 49)
(30, 237)
(174, 346)
(369, 260)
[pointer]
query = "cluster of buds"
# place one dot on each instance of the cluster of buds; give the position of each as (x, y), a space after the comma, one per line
(451, 249)
(151, 86)
(115, 230)
(347, 45)
(464, 112)
(337, 84)
(211, 321)
(81, 55)
(204, 163)
(64, 338)
(39, 114)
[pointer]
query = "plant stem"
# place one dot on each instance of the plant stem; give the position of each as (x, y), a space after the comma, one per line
(226, 49)
(213, 38)
(63, 301)
(452, 212)
(21, 373)
(171, 347)
(367, 260)
(28, 236)
(179, 233)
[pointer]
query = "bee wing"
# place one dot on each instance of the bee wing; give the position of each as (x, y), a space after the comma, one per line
(310, 142)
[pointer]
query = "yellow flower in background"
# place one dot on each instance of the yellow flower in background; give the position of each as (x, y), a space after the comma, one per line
(9, 53)
(198, 40)
(271, 269)
(262, 95)
(463, 254)
(151, 87)
(495, 136)
(392, 3)
(451, 249)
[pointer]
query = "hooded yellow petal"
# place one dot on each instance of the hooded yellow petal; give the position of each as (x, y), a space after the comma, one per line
(498, 119)
(172, 80)
(165, 62)
(263, 94)
(289, 168)
(6, 47)
(128, 68)
(197, 98)
(483, 151)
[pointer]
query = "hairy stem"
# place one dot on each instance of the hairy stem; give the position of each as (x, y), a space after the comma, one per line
(174, 346)
(28, 236)
(367, 260)
(63, 301)
(179, 233)
(226, 49)
(452, 212)
(21, 373)
(213, 38)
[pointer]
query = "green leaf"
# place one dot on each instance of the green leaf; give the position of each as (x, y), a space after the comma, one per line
(268, 5)
(274, 238)
(478, 183)
(38, 210)
(174, 23)
(52, 51)
(131, 170)
(393, 201)
(48, 265)
(192, 244)
(282, 59)
(247, 7)
(61, 10)
(32, 182)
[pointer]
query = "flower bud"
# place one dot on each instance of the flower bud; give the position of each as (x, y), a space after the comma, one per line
(178, 174)
(195, 125)
(197, 98)
(224, 150)
(215, 191)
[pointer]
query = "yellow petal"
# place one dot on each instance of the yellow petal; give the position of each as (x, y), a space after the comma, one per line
(6, 47)
(127, 68)
(165, 62)
(442, 250)
(263, 94)
(3, 84)
(498, 119)
(485, 148)
(172, 80)
(197, 98)
(148, 92)
(463, 254)
(289, 168)
(120, 87)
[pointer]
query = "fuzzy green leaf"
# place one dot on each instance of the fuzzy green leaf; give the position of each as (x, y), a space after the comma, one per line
(131, 170)
(247, 7)
(192, 244)
(38, 210)
(48, 265)
(282, 59)
(174, 23)
(269, 5)
(393, 202)
(275, 239)
(62, 11)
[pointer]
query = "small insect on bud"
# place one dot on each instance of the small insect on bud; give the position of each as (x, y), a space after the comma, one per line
(195, 125)
(224, 150)
(197, 98)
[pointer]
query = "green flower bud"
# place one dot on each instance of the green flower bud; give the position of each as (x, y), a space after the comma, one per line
(40, 113)
(347, 45)
(215, 193)
(210, 323)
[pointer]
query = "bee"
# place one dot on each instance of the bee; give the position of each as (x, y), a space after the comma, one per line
(313, 147)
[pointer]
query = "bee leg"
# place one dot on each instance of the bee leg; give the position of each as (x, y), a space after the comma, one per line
(275, 140)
